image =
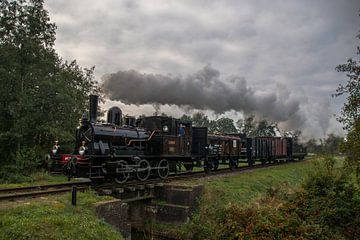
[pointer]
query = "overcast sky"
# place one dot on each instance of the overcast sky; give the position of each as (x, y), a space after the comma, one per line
(287, 48)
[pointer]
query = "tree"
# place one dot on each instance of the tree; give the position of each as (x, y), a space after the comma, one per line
(312, 146)
(185, 117)
(351, 109)
(199, 119)
(41, 96)
(213, 126)
(224, 125)
(331, 144)
(350, 114)
(247, 125)
(295, 135)
(264, 129)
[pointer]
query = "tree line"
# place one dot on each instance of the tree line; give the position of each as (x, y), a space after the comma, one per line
(41, 95)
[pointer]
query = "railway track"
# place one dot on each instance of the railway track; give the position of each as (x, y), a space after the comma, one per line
(108, 188)
(132, 185)
(40, 190)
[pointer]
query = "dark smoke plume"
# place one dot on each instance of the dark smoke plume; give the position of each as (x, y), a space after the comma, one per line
(208, 91)
(202, 90)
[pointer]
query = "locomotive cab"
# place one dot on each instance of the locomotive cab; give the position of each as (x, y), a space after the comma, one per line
(174, 136)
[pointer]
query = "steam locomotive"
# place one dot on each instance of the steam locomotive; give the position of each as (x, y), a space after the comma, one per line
(157, 146)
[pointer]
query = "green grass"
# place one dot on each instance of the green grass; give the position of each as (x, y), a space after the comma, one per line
(55, 218)
(241, 189)
(39, 178)
(244, 187)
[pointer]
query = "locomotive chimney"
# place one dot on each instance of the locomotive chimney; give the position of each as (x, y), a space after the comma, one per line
(94, 99)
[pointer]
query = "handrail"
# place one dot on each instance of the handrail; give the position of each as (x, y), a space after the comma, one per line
(142, 140)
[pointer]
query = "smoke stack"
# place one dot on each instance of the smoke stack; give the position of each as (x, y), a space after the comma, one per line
(94, 99)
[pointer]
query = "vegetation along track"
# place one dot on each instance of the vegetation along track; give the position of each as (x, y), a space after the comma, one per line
(40, 190)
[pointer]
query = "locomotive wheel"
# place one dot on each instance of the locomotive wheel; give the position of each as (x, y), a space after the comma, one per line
(163, 169)
(143, 172)
(122, 173)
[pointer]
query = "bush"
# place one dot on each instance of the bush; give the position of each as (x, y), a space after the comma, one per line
(23, 163)
(326, 207)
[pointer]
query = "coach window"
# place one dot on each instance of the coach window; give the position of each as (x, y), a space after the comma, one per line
(234, 143)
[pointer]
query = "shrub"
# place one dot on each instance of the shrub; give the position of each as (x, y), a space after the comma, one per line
(23, 163)
(327, 206)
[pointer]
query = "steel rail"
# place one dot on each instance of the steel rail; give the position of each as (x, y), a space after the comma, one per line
(32, 191)
(78, 183)
(37, 193)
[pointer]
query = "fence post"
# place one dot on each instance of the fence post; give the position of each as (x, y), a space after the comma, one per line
(73, 195)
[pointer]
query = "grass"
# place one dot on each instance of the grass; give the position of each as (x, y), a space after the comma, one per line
(39, 178)
(244, 187)
(241, 189)
(55, 218)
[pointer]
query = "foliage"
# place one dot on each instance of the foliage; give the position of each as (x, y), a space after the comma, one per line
(328, 145)
(221, 125)
(240, 190)
(39, 177)
(253, 128)
(264, 129)
(55, 219)
(198, 119)
(224, 125)
(316, 200)
(26, 161)
(351, 108)
(295, 135)
(350, 115)
(247, 125)
(351, 147)
(326, 207)
(308, 201)
(41, 96)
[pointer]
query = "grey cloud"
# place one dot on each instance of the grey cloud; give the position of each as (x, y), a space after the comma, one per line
(296, 44)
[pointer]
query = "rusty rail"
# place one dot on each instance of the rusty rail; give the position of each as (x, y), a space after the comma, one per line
(38, 190)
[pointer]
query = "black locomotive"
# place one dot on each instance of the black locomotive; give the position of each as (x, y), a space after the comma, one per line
(157, 145)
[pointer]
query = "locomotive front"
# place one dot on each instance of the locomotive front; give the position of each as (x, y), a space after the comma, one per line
(99, 146)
